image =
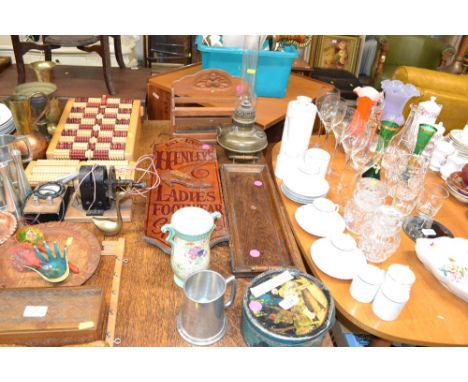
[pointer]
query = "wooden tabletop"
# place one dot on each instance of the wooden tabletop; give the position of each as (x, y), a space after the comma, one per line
(433, 315)
(149, 299)
(270, 111)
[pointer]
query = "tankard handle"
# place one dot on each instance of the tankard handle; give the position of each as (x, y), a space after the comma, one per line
(168, 228)
(231, 280)
(25, 139)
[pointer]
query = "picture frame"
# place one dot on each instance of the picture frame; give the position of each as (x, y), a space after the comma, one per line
(336, 52)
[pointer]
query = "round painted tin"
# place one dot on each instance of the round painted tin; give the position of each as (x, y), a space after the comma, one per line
(260, 329)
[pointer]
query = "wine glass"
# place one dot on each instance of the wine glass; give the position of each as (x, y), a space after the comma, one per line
(348, 140)
(338, 126)
(326, 102)
(367, 153)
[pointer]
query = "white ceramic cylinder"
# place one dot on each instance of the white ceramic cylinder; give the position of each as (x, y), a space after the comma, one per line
(389, 302)
(399, 275)
(366, 283)
(300, 118)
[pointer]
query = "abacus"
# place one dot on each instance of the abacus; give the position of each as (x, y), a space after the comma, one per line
(93, 128)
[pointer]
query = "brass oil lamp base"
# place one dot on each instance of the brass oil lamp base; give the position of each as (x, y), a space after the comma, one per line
(243, 136)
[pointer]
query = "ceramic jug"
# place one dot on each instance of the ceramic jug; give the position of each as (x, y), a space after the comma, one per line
(189, 236)
(300, 118)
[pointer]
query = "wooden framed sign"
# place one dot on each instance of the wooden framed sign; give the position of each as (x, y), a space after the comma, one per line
(189, 176)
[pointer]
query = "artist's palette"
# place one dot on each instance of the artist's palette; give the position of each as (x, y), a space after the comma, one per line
(84, 253)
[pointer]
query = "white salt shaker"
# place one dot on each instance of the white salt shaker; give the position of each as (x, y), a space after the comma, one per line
(366, 283)
(390, 301)
(399, 275)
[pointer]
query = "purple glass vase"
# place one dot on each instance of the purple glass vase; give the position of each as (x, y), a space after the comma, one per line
(396, 95)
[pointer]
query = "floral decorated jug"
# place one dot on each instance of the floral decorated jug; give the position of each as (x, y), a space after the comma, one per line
(189, 236)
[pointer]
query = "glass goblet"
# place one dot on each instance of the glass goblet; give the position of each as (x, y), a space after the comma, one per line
(430, 201)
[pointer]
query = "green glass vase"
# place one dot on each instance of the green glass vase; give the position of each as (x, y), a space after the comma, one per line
(425, 133)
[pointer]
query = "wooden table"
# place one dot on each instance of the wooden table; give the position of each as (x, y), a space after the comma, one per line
(433, 315)
(270, 111)
(149, 300)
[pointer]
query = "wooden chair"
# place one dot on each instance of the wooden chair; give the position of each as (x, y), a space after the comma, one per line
(201, 102)
(86, 43)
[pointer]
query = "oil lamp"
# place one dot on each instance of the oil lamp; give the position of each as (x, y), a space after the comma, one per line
(244, 138)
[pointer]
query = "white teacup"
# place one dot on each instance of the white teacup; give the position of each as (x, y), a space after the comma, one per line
(325, 205)
(315, 162)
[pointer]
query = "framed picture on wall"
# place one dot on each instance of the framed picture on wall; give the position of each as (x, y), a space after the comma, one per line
(337, 52)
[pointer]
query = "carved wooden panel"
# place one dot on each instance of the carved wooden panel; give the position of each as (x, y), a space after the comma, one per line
(208, 98)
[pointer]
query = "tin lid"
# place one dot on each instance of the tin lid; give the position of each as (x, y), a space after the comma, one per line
(297, 309)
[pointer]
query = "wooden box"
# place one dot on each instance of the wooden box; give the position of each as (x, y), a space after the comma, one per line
(50, 316)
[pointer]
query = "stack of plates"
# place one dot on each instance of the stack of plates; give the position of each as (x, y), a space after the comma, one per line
(7, 125)
(457, 188)
(459, 141)
(304, 188)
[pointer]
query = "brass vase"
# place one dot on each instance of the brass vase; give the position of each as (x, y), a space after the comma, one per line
(43, 70)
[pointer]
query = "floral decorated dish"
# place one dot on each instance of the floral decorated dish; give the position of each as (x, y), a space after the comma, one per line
(447, 259)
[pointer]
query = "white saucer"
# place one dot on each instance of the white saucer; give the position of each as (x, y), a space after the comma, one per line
(296, 197)
(317, 223)
(341, 263)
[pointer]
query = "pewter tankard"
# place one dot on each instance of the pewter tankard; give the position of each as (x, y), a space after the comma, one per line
(201, 320)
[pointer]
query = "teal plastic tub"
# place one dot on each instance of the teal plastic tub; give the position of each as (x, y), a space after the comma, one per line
(273, 68)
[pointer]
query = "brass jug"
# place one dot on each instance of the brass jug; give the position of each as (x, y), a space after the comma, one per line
(47, 108)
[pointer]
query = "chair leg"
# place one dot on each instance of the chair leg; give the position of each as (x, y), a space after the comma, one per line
(106, 64)
(18, 50)
(48, 54)
(118, 51)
